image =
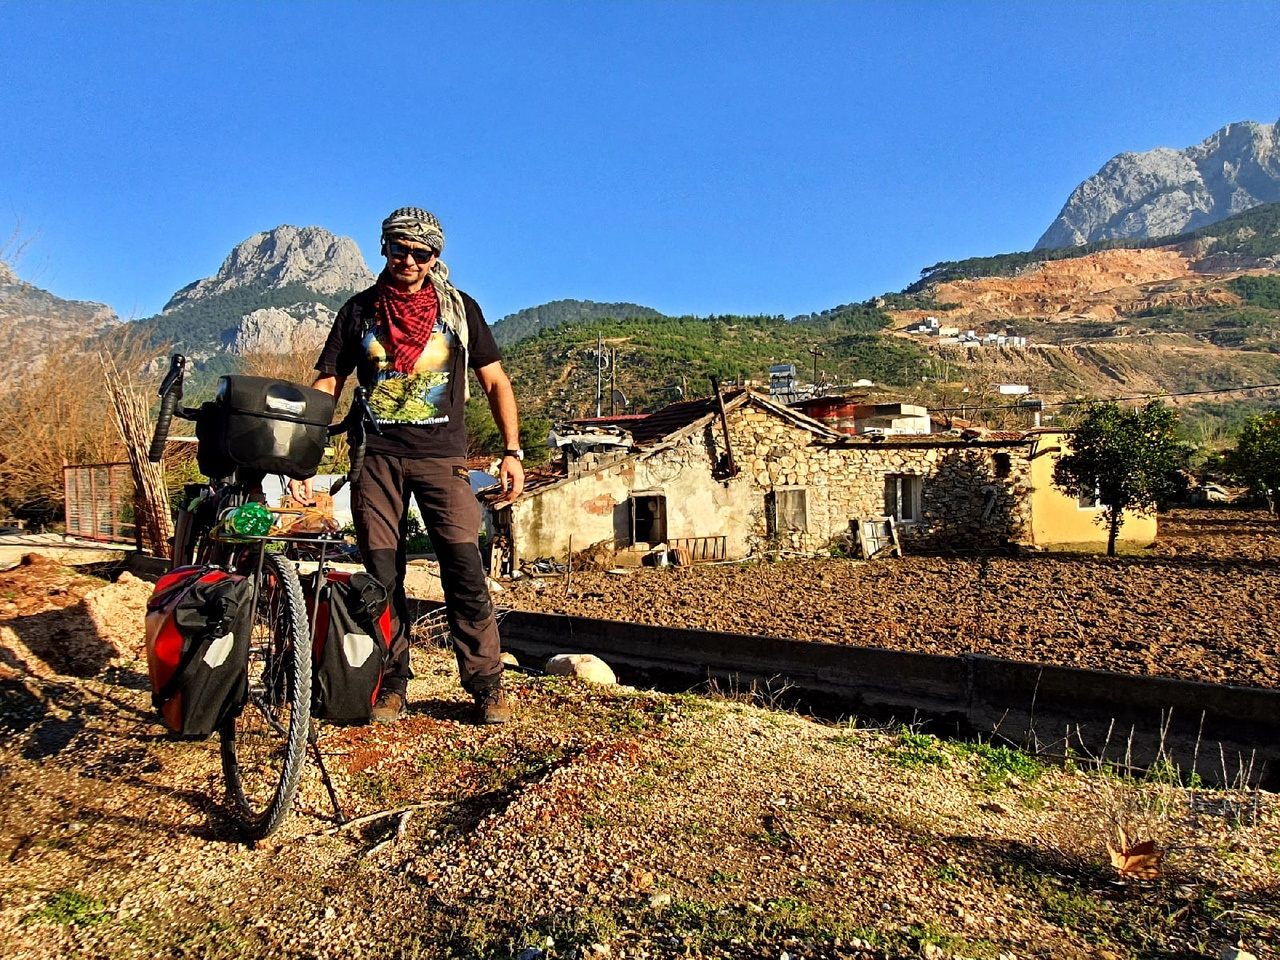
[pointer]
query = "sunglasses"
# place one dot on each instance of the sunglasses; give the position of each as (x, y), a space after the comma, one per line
(399, 251)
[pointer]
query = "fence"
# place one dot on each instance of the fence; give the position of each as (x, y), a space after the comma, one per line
(99, 502)
(702, 548)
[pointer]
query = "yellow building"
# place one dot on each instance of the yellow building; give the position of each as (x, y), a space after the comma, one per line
(1057, 519)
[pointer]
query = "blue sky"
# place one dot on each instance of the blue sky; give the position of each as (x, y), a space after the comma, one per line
(699, 158)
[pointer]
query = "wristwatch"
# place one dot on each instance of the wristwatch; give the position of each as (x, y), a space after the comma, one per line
(517, 453)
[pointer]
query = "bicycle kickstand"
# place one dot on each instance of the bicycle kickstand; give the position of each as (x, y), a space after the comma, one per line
(314, 738)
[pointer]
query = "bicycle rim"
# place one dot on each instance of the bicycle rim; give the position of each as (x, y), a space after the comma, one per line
(264, 747)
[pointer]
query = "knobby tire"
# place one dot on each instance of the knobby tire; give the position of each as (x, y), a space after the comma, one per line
(263, 748)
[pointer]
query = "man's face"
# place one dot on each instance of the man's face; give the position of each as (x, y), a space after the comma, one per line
(408, 261)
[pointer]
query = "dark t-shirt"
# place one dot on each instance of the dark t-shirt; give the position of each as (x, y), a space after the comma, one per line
(420, 413)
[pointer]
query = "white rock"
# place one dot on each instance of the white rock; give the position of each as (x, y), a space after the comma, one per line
(584, 666)
(659, 899)
(1234, 953)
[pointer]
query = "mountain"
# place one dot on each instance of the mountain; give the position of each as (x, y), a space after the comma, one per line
(530, 322)
(1166, 191)
(276, 292)
(1244, 241)
(31, 318)
(280, 258)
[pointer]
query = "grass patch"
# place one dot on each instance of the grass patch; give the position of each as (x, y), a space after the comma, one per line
(996, 767)
(69, 908)
(913, 750)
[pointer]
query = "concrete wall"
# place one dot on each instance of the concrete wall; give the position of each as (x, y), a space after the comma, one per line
(1093, 713)
(1057, 518)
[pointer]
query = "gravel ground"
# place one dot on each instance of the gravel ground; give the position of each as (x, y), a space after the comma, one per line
(604, 821)
(1199, 604)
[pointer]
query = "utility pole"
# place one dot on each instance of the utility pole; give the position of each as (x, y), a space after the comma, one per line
(816, 354)
(613, 383)
(599, 370)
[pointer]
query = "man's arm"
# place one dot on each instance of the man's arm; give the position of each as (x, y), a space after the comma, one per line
(302, 490)
(331, 385)
(502, 401)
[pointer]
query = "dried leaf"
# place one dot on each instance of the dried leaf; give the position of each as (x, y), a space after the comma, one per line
(1139, 861)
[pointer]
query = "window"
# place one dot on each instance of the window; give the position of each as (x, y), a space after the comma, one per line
(648, 518)
(787, 510)
(902, 497)
(1002, 465)
(1089, 499)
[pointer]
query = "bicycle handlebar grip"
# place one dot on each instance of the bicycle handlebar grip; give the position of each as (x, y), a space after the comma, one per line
(357, 442)
(170, 394)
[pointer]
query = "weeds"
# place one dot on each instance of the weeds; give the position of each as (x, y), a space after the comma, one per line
(996, 767)
(913, 750)
(69, 908)
(773, 693)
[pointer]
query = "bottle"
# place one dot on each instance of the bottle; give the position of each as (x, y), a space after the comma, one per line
(252, 520)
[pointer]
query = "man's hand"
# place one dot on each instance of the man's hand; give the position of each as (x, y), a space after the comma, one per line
(301, 491)
(511, 476)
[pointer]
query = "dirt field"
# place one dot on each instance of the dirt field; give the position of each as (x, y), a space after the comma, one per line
(609, 822)
(1199, 604)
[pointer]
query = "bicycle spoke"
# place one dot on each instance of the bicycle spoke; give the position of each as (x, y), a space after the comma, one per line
(264, 747)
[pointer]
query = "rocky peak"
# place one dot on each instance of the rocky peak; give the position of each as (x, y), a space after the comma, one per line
(1166, 191)
(32, 320)
(22, 302)
(310, 256)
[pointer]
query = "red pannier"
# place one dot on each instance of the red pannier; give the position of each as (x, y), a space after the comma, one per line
(352, 631)
(198, 625)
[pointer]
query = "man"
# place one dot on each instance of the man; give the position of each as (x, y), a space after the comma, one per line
(410, 339)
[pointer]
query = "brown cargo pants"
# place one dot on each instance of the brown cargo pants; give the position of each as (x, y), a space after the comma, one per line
(451, 516)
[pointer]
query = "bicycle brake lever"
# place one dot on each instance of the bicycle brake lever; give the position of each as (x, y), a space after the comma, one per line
(362, 401)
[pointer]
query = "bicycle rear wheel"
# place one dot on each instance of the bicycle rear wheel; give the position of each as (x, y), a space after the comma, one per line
(263, 749)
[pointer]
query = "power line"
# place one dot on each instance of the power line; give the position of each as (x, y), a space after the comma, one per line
(969, 408)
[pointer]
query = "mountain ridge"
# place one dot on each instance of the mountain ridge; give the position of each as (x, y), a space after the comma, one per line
(1166, 191)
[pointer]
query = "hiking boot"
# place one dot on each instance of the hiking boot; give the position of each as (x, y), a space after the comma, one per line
(492, 705)
(390, 707)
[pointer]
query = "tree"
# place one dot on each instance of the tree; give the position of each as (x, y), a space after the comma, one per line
(1256, 458)
(1129, 458)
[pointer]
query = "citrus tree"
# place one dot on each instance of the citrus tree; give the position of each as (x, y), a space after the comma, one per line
(1256, 457)
(1129, 458)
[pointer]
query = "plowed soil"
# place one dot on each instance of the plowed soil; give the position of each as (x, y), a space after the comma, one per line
(1198, 604)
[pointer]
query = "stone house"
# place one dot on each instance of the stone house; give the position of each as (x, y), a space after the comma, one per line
(740, 474)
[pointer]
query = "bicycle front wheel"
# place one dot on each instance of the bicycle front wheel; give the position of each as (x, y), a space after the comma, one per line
(263, 749)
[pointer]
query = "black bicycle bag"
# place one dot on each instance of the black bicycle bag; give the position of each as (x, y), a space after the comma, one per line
(198, 624)
(269, 425)
(352, 640)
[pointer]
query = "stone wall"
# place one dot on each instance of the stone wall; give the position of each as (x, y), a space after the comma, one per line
(970, 496)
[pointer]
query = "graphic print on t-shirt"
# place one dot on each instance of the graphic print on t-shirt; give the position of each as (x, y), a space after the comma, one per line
(414, 398)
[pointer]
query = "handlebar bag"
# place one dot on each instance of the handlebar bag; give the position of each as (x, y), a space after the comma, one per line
(198, 623)
(352, 631)
(263, 424)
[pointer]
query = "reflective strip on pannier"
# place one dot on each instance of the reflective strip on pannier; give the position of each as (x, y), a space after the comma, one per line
(270, 425)
(198, 625)
(352, 630)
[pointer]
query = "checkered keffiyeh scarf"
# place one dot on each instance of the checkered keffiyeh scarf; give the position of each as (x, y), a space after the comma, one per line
(411, 318)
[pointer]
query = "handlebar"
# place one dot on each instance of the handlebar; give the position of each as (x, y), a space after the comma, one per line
(170, 394)
(355, 424)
